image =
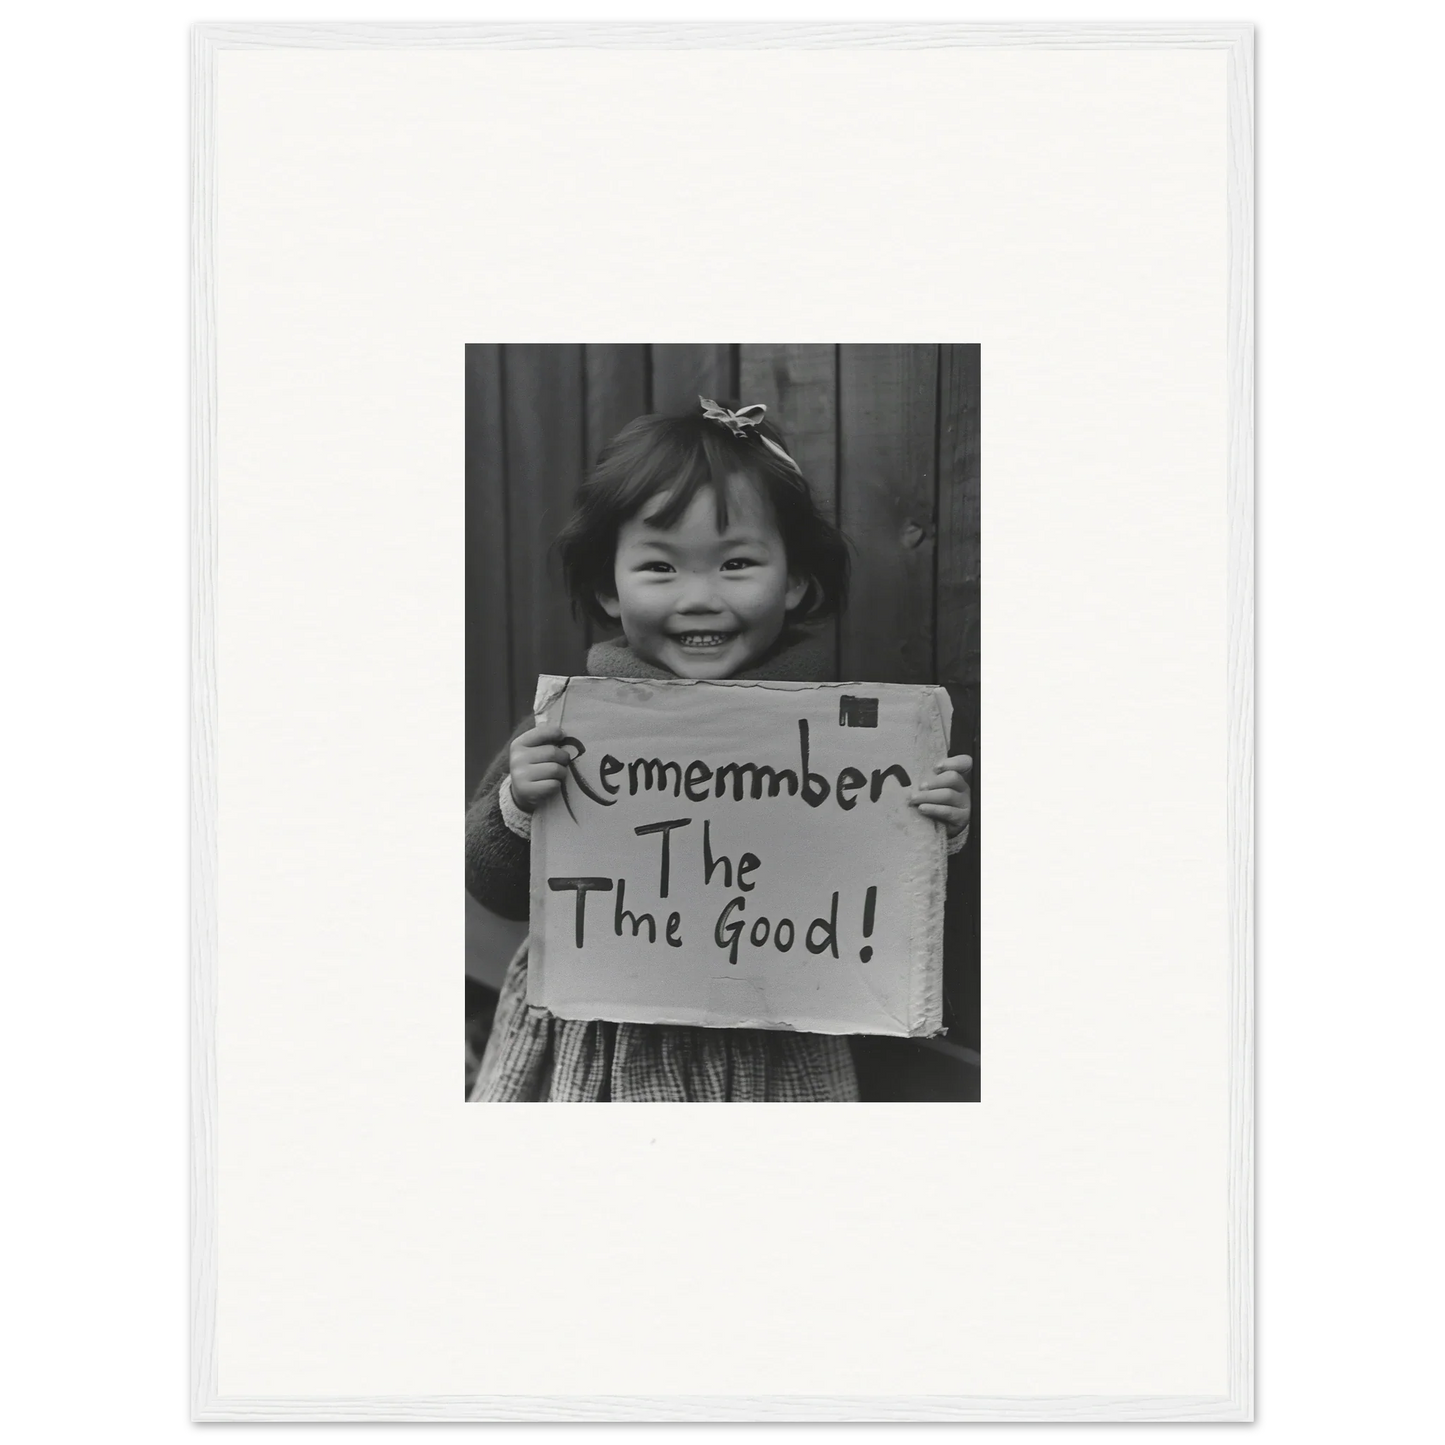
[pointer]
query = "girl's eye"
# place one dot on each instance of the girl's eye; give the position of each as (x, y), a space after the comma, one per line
(737, 563)
(655, 567)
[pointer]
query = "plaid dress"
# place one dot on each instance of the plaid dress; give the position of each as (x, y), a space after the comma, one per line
(533, 1056)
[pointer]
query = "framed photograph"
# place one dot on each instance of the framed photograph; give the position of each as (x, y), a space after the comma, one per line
(602, 436)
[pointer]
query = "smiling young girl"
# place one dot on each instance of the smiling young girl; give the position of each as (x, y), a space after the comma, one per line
(699, 536)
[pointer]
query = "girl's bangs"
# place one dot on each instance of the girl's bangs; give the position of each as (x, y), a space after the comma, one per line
(682, 471)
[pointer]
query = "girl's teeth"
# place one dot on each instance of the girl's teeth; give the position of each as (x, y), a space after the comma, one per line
(702, 639)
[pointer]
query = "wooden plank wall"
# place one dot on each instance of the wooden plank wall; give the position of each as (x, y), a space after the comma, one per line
(889, 438)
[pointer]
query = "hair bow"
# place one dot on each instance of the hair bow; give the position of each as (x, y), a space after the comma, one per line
(738, 422)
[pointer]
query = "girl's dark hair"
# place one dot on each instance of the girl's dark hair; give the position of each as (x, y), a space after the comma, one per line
(679, 455)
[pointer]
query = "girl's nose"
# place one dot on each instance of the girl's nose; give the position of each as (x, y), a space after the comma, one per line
(699, 594)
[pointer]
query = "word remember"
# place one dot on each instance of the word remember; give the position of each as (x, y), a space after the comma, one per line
(698, 782)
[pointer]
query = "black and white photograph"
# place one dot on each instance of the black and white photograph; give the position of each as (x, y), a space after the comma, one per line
(723, 722)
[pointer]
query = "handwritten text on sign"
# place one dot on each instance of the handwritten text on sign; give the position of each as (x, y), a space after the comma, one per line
(741, 855)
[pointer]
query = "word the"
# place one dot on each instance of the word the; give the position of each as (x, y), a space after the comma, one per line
(621, 914)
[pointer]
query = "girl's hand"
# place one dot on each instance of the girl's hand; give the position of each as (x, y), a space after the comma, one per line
(946, 796)
(538, 766)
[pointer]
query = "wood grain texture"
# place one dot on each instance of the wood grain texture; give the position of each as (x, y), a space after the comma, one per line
(616, 392)
(957, 663)
(887, 475)
(542, 391)
(491, 708)
(799, 387)
(956, 642)
(688, 35)
(1233, 36)
(1239, 751)
(617, 385)
(204, 723)
(722, 1408)
(956, 648)
(680, 374)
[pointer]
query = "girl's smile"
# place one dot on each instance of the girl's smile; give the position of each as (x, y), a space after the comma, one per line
(699, 600)
(704, 640)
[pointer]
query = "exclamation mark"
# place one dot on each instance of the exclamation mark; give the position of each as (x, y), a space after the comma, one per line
(866, 952)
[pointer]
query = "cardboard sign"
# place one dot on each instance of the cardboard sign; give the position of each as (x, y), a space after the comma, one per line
(737, 854)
